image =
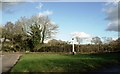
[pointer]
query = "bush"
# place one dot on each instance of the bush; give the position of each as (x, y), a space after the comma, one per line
(27, 45)
(78, 48)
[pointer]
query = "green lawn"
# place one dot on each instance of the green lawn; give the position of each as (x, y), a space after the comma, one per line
(51, 62)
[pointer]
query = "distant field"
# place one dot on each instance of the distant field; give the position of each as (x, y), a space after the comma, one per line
(51, 62)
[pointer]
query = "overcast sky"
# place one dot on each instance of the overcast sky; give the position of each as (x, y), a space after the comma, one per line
(84, 19)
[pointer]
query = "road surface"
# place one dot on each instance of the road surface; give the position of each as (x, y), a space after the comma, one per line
(8, 60)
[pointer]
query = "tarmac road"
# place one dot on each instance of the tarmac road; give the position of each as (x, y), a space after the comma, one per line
(8, 60)
(0, 64)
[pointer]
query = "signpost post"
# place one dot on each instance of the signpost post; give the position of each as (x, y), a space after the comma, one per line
(73, 46)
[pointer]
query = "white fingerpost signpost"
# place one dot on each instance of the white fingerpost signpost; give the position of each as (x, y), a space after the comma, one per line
(73, 48)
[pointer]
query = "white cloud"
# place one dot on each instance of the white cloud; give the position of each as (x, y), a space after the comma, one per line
(81, 34)
(113, 26)
(52, 22)
(45, 13)
(9, 7)
(85, 38)
(39, 6)
(113, 2)
(111, 11)
(114, 38)
(46, 41)
(89, 39)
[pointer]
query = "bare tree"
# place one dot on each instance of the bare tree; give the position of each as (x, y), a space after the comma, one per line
(96, 40)
(78, 39)
(107, 40)
(47, 26)
(8, 31)
(0, 31)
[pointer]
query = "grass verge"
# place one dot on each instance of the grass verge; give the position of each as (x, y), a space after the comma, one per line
(49, 62)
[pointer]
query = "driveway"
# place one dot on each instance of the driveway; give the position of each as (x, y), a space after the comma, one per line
(8, 60)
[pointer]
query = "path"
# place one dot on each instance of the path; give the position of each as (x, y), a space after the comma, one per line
(0, 64)
(8, 60)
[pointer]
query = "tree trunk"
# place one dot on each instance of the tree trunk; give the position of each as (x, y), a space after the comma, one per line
(3, 42)
(43, 34)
